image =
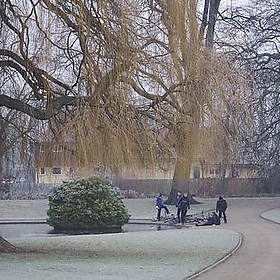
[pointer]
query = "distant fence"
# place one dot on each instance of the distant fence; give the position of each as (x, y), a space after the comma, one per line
(198, 187)
(138, 188)
(143, 187)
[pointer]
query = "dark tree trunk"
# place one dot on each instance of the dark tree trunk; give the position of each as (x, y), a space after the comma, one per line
(185, 148)
(213, 13)
(179, 186)
(186, 131)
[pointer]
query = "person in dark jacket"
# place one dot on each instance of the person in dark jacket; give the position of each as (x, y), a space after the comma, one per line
(184, 205)
(160, 204)
(221, 207)
(178, 197)
(212, 219)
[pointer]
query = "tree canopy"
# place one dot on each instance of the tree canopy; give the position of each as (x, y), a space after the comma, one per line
(122, 79)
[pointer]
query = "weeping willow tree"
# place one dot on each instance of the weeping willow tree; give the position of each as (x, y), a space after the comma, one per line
(208, 92)
(126, 82)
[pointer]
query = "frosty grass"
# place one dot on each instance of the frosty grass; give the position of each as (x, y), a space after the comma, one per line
(166, 254)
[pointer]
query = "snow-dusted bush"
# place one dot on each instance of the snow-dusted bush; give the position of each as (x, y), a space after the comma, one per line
(86, 203)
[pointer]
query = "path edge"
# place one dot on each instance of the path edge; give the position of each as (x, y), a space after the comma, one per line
(270, 219)
(219, 261)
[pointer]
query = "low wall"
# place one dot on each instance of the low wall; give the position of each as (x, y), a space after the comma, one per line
(201, 187)
(144, 187)
(134, 188)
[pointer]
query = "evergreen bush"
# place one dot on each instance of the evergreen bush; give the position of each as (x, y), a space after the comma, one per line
(85, 204)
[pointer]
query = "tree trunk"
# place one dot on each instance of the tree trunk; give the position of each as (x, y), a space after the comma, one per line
(180, 184)
(186, 132)
(185, 140)
(2, 149)
(5, 246)
(213, 13)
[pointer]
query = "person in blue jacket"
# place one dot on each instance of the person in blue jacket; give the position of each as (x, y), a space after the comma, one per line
(184, 205)
(160, 204)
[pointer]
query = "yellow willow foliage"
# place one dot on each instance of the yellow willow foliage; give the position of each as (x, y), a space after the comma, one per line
(114, 144)
(146, 101)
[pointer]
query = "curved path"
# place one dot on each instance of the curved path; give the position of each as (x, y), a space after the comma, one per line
(258, 256)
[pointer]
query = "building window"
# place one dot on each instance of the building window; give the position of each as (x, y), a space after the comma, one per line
(196, 173)
(71, 172)
(57, 170)
(41, 148)
(214, 171)
(57, 149)
(235, 173)
(42, 171)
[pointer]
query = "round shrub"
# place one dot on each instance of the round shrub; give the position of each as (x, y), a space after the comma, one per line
(86, 203)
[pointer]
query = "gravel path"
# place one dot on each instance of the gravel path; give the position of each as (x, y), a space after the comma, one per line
(258, 256)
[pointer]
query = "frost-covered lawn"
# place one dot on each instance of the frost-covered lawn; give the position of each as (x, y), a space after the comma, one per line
(272, 215)
(166, 254)
(138, 208)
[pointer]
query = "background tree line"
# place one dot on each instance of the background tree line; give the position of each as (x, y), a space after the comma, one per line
(250, 35)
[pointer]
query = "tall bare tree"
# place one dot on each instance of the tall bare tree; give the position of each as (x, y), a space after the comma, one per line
(250, 34)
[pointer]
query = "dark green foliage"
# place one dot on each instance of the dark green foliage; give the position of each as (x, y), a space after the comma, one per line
(86, 203)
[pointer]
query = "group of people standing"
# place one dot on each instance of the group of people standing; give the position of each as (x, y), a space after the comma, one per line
(183, 205)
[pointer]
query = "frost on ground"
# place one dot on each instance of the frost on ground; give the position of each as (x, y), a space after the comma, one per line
(137, 208)
(169, 254)
(272, 215)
